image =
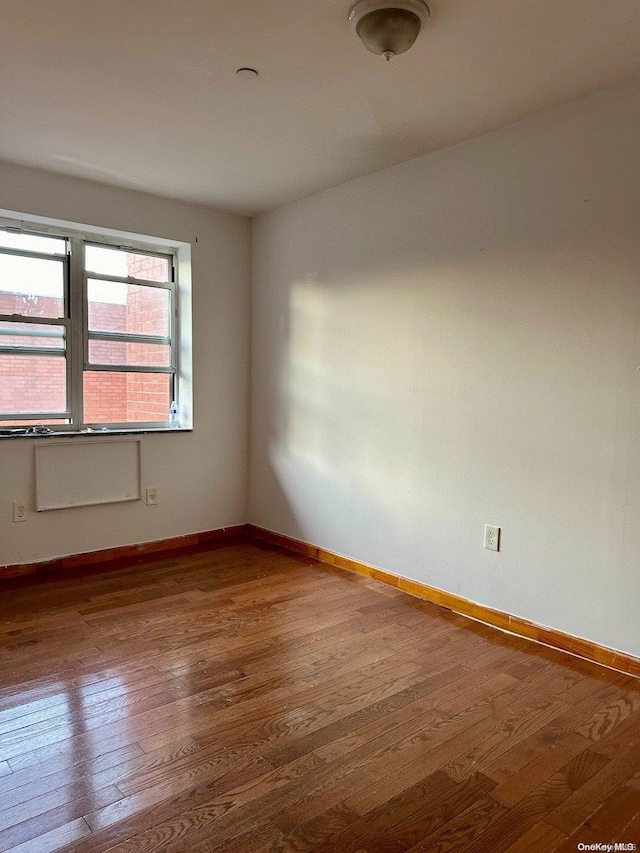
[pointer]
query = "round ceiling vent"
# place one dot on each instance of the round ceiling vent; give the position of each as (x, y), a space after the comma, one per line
(247, 73)
(388, 28)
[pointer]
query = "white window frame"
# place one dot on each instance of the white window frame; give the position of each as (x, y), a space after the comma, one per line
(75, 322)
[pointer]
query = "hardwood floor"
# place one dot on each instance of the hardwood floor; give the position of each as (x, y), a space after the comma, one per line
(241, 699)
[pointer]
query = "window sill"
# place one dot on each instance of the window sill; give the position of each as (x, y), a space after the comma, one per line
(94, 432)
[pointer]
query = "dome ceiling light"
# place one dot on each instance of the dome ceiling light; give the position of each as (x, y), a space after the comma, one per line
(388, 27)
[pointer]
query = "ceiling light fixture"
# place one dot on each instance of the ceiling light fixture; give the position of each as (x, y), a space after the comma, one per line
(388, 27)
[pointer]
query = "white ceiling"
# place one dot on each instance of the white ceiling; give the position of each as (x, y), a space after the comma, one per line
(143, 93)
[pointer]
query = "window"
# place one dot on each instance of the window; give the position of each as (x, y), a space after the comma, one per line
(88, 332)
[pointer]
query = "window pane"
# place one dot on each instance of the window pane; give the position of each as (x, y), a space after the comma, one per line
(32, 383)
(32, 423)
(107, 260)
(33, 287)
(118, 352)
(126, 397)
(128, 308)
(33, 243)
(32, 335)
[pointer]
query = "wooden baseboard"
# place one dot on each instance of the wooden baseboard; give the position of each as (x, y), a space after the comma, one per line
(514, 624)
(122, 553)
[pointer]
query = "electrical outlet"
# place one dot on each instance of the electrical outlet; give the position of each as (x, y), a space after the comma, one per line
(152, 497)
(491, 537)
(19, 510)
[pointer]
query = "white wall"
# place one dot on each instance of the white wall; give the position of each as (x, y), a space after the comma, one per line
(202, 476)
(456, 341)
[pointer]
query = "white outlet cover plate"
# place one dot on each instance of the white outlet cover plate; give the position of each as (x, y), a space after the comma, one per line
(19, 510)
(491, 537)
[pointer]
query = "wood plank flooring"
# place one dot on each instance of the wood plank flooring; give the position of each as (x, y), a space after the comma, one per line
(239, 698)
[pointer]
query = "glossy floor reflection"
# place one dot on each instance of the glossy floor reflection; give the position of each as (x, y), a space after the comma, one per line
(242, 699)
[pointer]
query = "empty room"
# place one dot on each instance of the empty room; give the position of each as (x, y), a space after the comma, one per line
(319, 426)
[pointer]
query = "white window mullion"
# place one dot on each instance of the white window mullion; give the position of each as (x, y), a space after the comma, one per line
(175, 336)
(77, 343)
